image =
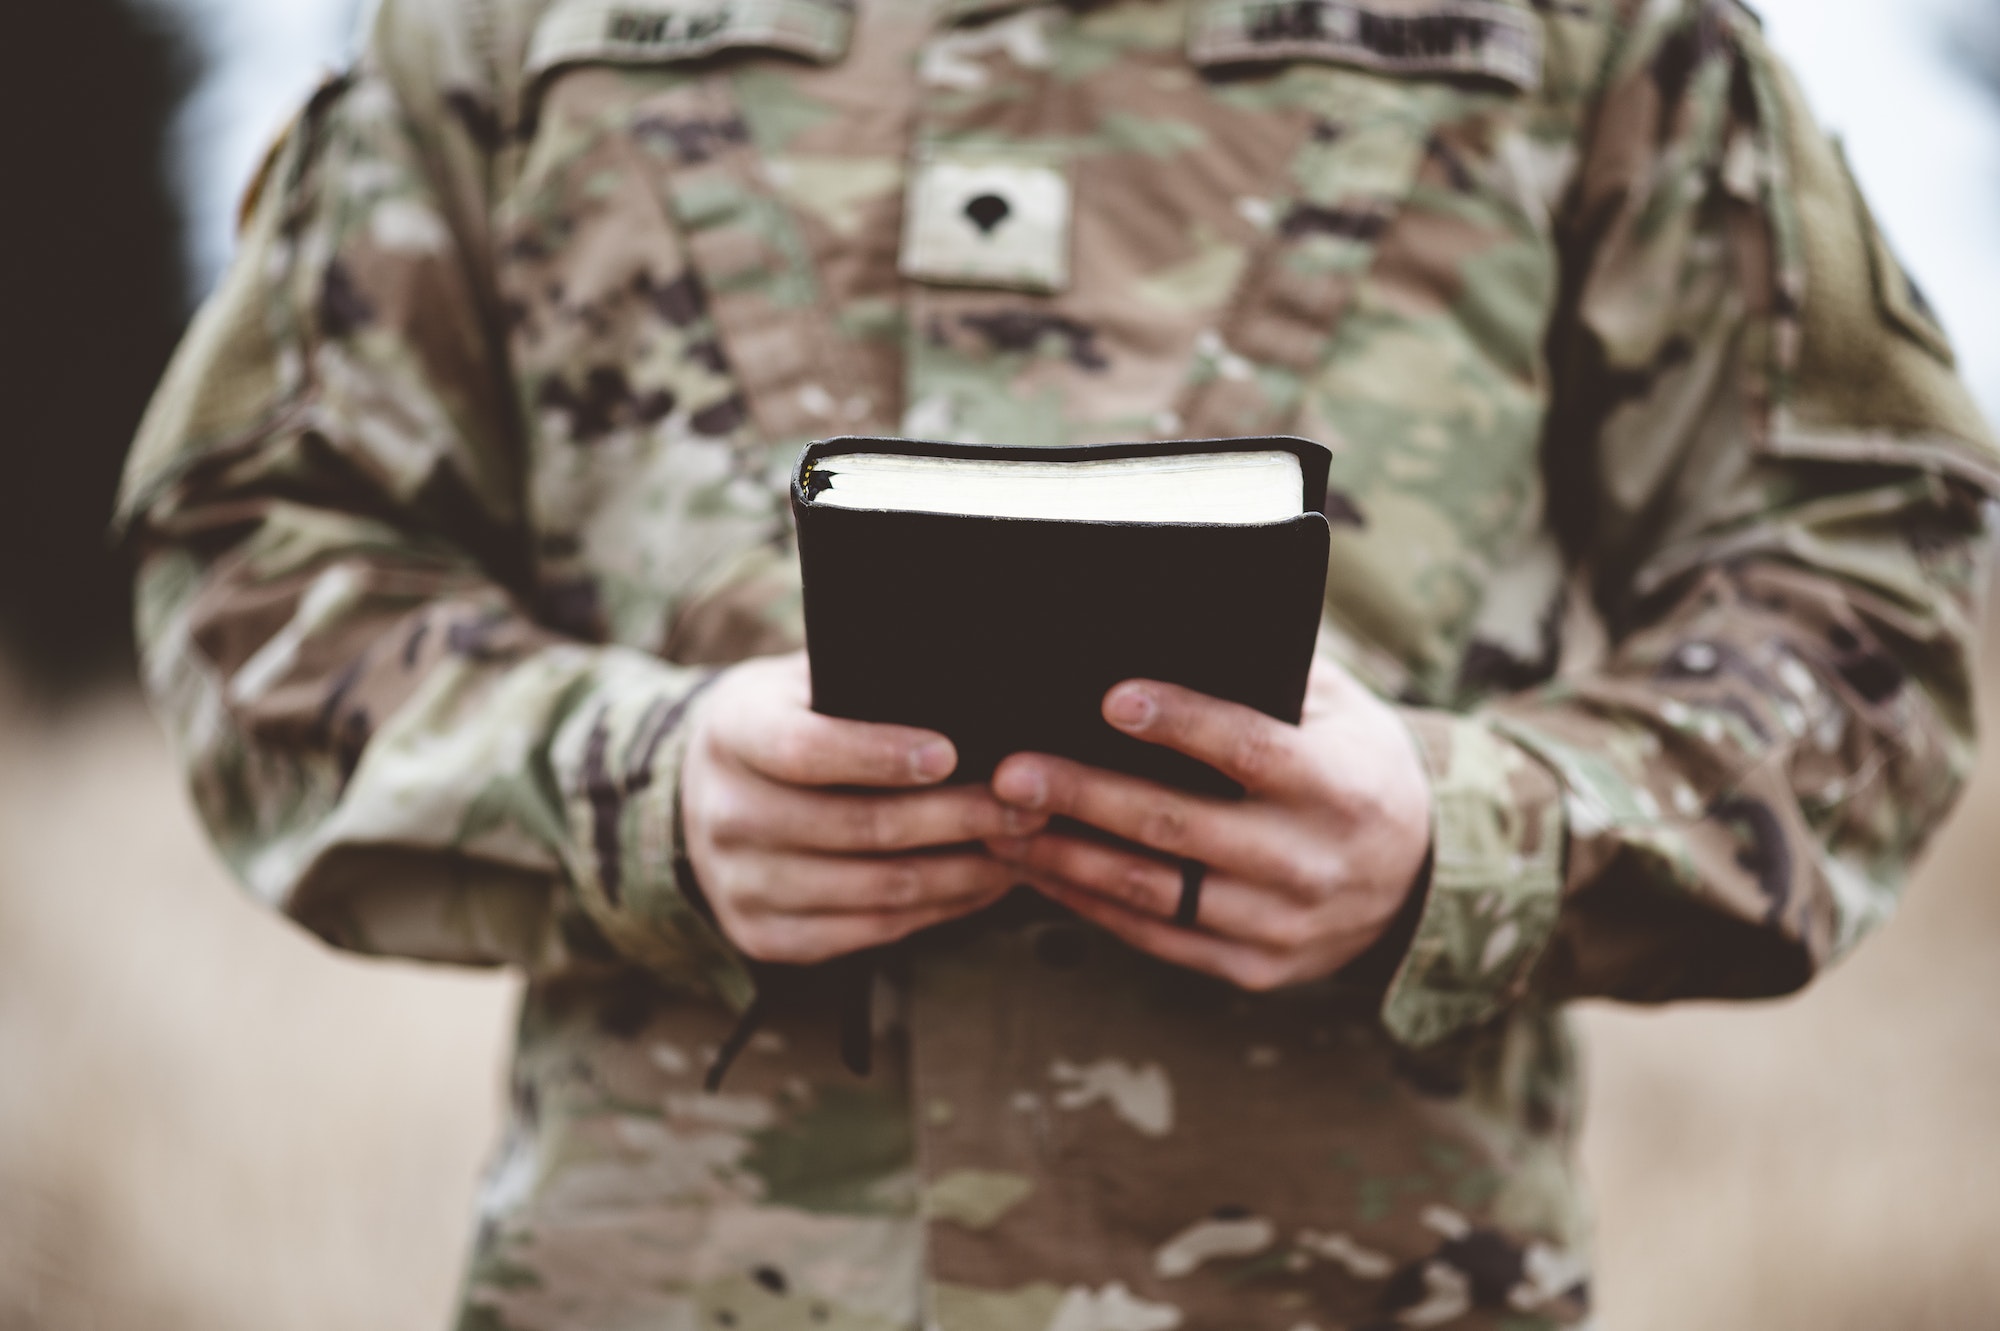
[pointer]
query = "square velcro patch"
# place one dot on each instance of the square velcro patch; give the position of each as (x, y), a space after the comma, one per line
(988, 220)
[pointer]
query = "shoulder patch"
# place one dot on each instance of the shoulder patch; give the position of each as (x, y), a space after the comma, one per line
(656, 31)
(1902, 301)
(1870, 378)
(1488, 39)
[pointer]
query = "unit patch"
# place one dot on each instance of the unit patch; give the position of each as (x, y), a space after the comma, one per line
(1902, 301)
(982, 221)
(653, 31)
(1467, 38)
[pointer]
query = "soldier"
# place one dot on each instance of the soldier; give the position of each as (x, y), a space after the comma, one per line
(467, 592)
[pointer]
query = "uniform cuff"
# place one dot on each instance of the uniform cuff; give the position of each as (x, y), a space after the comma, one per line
(619, 762)
(1497, 837)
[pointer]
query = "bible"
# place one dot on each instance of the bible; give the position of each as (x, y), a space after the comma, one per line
(995, 594)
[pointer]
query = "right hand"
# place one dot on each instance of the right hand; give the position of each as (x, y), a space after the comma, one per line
(800, 874)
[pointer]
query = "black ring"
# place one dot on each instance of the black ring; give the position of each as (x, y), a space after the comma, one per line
(1192, 874)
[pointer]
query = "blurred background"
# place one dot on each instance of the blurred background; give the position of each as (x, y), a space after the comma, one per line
(208, 1121)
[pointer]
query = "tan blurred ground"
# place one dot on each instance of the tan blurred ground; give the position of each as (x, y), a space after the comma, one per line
(207, 1121)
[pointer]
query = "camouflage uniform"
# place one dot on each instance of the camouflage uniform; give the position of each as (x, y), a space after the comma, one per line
(1657, 507)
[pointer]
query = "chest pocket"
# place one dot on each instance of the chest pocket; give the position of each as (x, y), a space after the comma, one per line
(1347, 182)
(670, 334)
(693, 145)
(1397, 311)
(1368, 139)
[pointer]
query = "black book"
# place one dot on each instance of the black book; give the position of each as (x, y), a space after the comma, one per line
(996, 594)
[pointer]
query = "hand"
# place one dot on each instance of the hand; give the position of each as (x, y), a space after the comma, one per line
(800, 874)
(1304, 873)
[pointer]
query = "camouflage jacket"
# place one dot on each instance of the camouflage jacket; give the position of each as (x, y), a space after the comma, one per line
(1658, 508)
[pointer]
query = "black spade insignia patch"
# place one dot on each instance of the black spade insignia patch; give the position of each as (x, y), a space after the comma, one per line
(987, 211)
(987, 220)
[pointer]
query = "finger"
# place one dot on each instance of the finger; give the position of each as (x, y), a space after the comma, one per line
(767, 814)
(1245, 840)
(803, 748)
(1229, 909)
(1240, 964)
(1248, 747)
(829, 885)
(805, 940)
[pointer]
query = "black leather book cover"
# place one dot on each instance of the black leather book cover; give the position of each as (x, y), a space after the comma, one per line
(1005, 633)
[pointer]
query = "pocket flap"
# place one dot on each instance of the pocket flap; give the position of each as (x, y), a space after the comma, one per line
(647, 32)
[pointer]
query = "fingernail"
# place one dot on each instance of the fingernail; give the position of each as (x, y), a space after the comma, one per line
(1023, 786)
(933, 761)
(1019, 821)
(1133, 709)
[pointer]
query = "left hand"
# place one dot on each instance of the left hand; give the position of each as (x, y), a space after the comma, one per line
(1304, 873)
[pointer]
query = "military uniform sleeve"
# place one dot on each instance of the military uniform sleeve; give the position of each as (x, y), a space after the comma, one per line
(326, 503)
(1779, 490)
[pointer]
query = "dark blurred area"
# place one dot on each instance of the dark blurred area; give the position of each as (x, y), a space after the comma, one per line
(1977, 44)
(92, 299)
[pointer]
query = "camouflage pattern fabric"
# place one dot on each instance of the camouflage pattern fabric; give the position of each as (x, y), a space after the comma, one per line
(1657, 506)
